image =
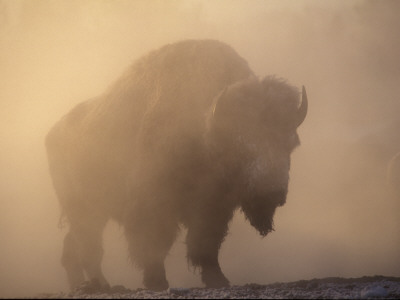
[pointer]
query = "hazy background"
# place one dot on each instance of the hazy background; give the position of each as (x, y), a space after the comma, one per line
(338, 220)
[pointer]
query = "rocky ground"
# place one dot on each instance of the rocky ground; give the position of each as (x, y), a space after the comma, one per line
(328, 288)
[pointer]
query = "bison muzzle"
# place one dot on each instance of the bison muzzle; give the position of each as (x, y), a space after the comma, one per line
(185, 137)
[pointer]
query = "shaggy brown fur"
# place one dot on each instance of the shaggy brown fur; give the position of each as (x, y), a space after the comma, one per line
(186, 136)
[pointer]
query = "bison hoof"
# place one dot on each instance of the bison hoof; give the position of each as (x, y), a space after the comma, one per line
(156, 284)
(214, 279)
(92, 287)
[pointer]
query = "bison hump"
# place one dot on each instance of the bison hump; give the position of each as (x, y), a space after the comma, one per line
(171, 89)
(162, 97)
(181, 74)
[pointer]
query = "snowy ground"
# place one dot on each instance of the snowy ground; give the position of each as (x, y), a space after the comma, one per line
(327, 288)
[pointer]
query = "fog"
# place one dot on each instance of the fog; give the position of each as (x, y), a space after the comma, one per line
(339, 219)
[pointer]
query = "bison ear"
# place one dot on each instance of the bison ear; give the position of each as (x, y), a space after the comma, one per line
(302, 111)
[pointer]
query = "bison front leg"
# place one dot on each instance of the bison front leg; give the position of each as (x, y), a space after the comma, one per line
(150, 229)
(205, 235)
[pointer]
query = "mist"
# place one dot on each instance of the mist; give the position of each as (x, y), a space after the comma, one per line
(339, 219)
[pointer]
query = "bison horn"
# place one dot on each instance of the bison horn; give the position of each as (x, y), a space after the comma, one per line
(219, 97)
(302, 111)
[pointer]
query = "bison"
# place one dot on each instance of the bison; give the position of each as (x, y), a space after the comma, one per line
(185, 137)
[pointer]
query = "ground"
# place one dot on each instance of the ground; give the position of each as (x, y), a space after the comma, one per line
(327, 288)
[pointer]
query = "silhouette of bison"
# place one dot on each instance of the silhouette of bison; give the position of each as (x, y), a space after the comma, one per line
(186, 136)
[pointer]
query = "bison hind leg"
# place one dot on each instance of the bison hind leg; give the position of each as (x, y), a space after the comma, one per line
(82, 254)
(71, 261)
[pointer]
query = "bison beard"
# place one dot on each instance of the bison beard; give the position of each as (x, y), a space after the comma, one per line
(171, 143)
(259, 211)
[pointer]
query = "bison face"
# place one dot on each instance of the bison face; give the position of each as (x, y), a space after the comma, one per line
(254, 127)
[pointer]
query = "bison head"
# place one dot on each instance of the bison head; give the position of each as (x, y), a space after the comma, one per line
(253, 128)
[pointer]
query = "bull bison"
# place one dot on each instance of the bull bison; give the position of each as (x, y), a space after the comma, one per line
(185, 137)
